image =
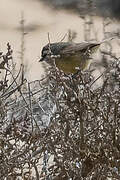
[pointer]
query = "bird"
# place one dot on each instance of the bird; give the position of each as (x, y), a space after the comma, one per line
(69, 56)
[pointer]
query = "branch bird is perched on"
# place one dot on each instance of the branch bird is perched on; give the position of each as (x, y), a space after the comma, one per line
(69, 56)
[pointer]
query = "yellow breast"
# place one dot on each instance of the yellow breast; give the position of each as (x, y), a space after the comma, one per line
(72, 63)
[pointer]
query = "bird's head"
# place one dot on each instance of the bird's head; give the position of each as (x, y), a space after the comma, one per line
(50, 51)
(53, 50)
(46, 53)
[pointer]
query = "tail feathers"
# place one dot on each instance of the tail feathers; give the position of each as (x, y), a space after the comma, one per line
(108, 39)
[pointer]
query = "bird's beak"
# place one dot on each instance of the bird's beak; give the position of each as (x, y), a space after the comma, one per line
(41, 59)
(46, 58)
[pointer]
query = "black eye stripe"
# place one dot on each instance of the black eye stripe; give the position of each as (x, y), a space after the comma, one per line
(46, 52)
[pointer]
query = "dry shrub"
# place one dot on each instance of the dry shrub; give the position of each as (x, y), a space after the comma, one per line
(83, 135)
(62, 117)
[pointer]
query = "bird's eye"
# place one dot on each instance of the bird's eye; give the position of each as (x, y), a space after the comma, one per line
(44, 53)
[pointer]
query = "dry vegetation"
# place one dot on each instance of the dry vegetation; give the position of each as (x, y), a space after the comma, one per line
(59, 127)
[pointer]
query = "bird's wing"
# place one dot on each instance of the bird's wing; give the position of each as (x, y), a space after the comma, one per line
(75, 47)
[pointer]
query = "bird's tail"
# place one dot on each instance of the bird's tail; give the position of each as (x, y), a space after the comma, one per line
(107, 40)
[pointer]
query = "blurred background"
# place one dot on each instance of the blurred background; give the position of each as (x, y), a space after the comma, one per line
(25, 25)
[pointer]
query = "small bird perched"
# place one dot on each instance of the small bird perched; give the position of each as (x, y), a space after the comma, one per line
(69, 56)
